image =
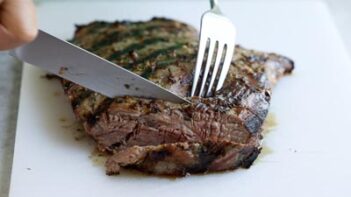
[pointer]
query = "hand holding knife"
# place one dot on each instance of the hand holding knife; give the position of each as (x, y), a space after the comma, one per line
(87, 69)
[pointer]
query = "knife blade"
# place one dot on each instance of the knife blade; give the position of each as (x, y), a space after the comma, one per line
(88, 70)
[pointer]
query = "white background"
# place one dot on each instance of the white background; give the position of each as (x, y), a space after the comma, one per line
(309, 146)
(10, 77)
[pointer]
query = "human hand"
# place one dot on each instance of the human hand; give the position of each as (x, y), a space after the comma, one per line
(17, 23)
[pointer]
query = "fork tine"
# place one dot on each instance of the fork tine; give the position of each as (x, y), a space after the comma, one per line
(208, 65)
(199, 61)
(226, 65)
(216, 66)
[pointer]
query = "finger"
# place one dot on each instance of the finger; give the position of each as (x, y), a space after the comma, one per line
(7, 40)
(17, 23)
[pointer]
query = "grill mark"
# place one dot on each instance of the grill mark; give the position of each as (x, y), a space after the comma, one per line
(163, 64)
(136, 46)
(206, 155)
(94, 117)
(116, 36)
(244, 125)
(203, 151)
(147, 73)
(155, 54)
(137, 32)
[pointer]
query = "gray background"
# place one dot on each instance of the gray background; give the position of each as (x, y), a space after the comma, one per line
(10, 78)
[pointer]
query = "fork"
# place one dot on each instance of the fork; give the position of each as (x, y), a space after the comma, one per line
(217, 39)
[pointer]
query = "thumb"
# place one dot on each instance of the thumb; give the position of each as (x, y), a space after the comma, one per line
(17, 23)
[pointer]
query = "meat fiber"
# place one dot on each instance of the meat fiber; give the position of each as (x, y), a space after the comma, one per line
(222, 132)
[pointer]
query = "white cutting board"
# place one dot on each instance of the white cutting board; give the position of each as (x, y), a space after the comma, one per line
(309, 149)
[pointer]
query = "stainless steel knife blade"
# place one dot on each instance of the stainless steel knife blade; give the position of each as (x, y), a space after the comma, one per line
(89, 70)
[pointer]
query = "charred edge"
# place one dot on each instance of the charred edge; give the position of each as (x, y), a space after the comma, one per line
(289, 70)
(206, 155)
(78, 28)
(250, 155)
(66, 85)
(97, 25)
(92, 27)
(159, 155)
(153, 19)
(166, 20)
(51, 76)
(253, 124)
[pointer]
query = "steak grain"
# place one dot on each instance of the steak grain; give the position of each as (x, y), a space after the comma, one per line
(219, 133)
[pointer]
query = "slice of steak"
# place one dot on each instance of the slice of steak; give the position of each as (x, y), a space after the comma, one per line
(183, 157)
(211, 134)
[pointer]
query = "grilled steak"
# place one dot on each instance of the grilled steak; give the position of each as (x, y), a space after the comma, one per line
(211, 134)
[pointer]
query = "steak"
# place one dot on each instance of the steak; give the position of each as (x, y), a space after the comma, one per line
(222, 132)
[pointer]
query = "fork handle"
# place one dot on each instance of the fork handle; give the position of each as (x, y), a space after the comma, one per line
(214, 3)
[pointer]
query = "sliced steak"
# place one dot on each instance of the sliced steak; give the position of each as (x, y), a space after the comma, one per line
(184, 157)
(212, 134)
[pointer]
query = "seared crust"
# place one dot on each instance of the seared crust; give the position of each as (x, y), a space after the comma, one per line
(181, 158)
(211, 134)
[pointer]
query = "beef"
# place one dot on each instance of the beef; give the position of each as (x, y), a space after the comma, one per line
(222, 132)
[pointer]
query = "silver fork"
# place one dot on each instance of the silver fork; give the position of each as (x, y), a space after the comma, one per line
(217, 35)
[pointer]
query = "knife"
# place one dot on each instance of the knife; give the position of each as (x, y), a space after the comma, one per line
(88, 70)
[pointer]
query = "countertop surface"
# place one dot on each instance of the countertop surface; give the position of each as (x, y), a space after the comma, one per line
(10, 77)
